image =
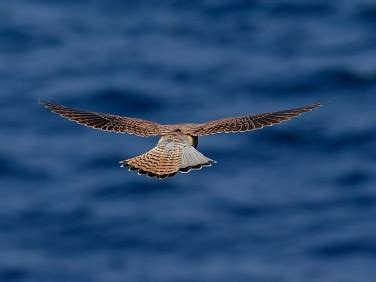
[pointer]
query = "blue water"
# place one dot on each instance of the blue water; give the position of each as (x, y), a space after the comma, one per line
(295, 202)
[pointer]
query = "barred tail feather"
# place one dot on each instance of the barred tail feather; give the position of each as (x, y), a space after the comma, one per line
(155, 163)
(162, 162)
(193, 159)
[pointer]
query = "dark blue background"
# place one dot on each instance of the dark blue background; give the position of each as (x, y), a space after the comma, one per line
(295, 202)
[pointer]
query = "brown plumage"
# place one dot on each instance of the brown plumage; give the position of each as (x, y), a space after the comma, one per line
(176, 150)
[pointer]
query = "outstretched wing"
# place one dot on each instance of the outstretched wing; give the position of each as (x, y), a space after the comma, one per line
(247, 123)
(106, 122)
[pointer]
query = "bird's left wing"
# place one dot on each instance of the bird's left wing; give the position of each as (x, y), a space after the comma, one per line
(106, 122)
(250, 122)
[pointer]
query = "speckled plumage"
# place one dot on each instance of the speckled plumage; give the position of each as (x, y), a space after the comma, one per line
(176, 150)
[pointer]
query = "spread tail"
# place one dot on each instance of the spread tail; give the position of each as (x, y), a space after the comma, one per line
(157, 163)
(193, 159)
(166, 159)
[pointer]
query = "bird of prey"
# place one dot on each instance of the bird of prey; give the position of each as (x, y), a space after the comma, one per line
(176, 149)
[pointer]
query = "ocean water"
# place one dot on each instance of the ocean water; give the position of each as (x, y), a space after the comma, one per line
(294, 202)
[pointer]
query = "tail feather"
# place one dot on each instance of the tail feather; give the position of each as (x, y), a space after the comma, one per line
(193, 159)
(157, 163)
(166, 159)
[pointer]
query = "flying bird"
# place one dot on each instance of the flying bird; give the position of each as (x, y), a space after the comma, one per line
(176, 150)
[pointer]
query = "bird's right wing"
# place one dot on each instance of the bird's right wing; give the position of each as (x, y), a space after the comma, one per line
(106, 122)
(250, 122)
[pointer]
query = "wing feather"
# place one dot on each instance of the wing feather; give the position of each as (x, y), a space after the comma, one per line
(250, 122)
(106, 122)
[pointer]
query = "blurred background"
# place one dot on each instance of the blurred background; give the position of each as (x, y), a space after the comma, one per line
(294, 202)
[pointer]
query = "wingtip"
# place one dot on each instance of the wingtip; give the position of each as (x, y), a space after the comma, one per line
(41, 102)
(317, 104)
(314, 106)
(45, 103)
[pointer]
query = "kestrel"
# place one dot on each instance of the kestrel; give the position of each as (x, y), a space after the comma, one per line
(176, 149)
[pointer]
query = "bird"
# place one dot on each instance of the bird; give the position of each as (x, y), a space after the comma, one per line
(176, 150)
